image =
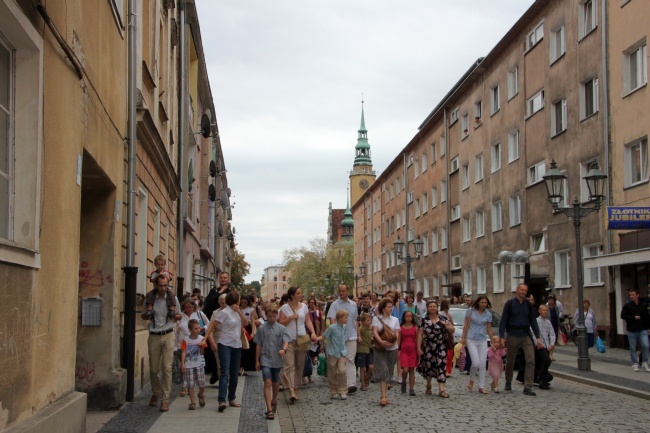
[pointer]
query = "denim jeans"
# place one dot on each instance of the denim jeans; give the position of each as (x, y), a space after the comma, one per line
(642, 337)
(230, 358)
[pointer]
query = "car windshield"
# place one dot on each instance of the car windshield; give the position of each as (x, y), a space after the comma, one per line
(458, 316)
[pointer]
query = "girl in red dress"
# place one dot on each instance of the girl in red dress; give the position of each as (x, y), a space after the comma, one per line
(408, 355)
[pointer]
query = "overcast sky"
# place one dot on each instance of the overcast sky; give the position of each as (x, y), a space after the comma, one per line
(287, 78)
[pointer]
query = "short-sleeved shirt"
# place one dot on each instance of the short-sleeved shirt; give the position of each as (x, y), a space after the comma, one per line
(335, 336)
(291, 327)
(477, 324)
(391, 322)
(366, 340)
(161, 321)
(353, 312)
(192, 349)
(271, 337)
(230, 327)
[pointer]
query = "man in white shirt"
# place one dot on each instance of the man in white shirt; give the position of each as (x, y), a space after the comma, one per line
(420, 304)
(352, 333)
(542, 357)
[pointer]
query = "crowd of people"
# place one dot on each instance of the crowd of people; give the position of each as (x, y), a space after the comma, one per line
(376, 338)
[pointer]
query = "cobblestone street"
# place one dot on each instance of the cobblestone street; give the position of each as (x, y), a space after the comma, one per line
(568, 406)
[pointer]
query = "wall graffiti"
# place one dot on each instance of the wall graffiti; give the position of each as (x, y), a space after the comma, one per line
(8, 344)
(91, 277)
(86, 373)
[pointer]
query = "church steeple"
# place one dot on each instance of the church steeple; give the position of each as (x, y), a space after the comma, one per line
(362, 148)
(362, 174)
(347, 224)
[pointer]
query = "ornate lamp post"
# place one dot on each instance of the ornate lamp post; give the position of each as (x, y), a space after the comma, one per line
(362, 273)
(335, 284)
(399, 247)
(596, 181)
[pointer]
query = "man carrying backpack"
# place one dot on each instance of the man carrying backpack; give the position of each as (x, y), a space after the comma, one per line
(517, 318)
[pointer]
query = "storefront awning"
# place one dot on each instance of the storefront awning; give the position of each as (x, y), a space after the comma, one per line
(618, 259)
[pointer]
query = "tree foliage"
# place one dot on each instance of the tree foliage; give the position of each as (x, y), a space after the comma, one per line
(318, 266)
(239, 269)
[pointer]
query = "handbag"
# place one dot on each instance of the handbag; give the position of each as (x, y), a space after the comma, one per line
(303, 342)
(449, 340)
(386, 334)
(245, 345)
(177, 374)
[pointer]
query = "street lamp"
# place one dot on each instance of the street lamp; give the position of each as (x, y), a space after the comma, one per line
(362, 273)
(399, 248)
(596, 180)
(333, 286)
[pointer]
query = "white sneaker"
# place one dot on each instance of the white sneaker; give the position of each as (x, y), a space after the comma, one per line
(645, 366)
(635, 367)
(399, 380)
(334, 396)
(343, 397)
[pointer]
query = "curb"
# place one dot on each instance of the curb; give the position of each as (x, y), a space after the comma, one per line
(600, 384)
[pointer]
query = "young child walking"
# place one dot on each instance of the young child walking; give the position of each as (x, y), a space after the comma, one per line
(336, 351)
(495, 362)
(408, 355)
(191, 364)
(365, 356)
(272, 340)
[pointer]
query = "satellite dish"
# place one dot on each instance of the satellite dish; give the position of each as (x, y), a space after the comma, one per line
(229, 235)
(228, 189)
(223, 199)
(220, 230)
(233, 231)
(213, 169)
(212, 193)
(229, 214)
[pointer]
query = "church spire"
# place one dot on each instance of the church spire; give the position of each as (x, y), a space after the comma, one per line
(362, 148)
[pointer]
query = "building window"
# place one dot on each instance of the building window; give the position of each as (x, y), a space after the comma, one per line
(478, 168)
(455, 262)
(562, 270)
(636, 162)
(423, 162)
(443, 146)
(410, 160)
(409, 197)
(481, 280)
(480, 223)
(465, 176)
(21, 114)
(497, 278)
(535, 36)
(558, 43)
(635, 67)
(496, 157)
(593, 276)
(434, 157)
(558, 117)
(436, 286)
(536, 172)
(445, 287)
(455, 212)
(417, 208)
(467, 234)
(513, 83)
(425, 203)
(454, 115)
(412, 273)
(513, 146)
(587, 18)
(434, 241)
(495, 104)
(434, 197)
(443, 238)
(478, 111)
(467, 280)
(538, 243)
(443, 191)
(453, 165)
(464, 126)
(588, 98)
(497, 222)
(514, 210)
(516, 275)
(425, 245)
(535, 103)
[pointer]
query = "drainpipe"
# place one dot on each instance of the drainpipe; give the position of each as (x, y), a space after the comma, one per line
(130, 270)
(447, 210)
(182, 169)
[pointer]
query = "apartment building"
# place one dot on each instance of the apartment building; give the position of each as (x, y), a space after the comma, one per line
(275, 282)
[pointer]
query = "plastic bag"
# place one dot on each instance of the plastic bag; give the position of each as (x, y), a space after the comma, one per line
(177, 374)
(322, 365)
(600, 346)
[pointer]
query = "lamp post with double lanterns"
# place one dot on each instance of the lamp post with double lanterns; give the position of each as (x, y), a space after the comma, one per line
(596, 182)
(399, 250)
(331, 288)
(362, 273)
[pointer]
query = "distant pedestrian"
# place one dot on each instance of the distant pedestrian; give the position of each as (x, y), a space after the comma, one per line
(408, 353)
(385, 330)
(590, 322)
(432, 348)
(420, 304)
(635, 314)
(554, 317)
(542, 354)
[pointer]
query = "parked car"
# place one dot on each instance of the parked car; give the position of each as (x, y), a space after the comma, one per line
(457, 314)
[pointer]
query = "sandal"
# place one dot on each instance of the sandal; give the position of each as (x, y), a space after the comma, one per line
(233, 403)
(364, 388)
(201, 400)
(383, 402)
(470, 385)
(304, 381)
(274, 407)
(482, 391)
(192, 406)
(222, 407)
(428, 391)
(443, 394)
(270, 415)
(183, 392)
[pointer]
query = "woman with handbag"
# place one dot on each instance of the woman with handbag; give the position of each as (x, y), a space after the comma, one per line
(294, 315)
(385, 329)
(432, 347)
(478, 323)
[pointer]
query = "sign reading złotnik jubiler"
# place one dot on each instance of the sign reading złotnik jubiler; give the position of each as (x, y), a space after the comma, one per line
(623, 217)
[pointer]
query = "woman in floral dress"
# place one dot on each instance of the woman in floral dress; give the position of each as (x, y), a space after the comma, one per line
(431, 347)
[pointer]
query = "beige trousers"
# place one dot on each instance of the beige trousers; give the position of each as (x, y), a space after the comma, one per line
(161, 353)
(336, 375)
(294, 363)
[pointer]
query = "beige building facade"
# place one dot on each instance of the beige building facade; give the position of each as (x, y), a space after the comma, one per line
(275, 282)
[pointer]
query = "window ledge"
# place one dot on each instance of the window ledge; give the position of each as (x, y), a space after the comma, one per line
(513, 96)
(562, 287)
(477, 181)
(595, 285)
(11, 253)
(495, 112)
(582, 119)
(625, 95)
(634, 185)
(480, 236)
(532, 114)
(534, 183)
(516, 159)
(534, 253)
(515, 225)
(559, 133)
(477, 124)
(554, 61)
(498, 291)
(583, 37)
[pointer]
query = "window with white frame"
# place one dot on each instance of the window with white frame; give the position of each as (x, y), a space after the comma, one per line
(593, 276)
(495, 157)
(410, 160)
(535, 103)
(464, 126)
(565, 190)
(434, 241)
(21, 114)
(443, 191)
(417, 208)
(635, 67)
(403, 217)
(391, 190)
(409, 197)
(444, 279)
(535, 36)
(434, 151)
(536, 172)
(497, 278)
(478, 111)
(416, 170)
(425, 203)
(516, 275)
(495, 103)
(558, 43)
(497, 222)
(411, 235)
(455, 212)
(587, 18)
(538, 243)
(454, 115)
(636, 162)
(467, 233)
(467, 280)
(425, 287)
(434, 197)
(478, 168)
(562, 269)
(588, 98)
(455, 262)
(399, 219)
(480, 223)
(423, 161)
(443, 238)
(513, 83)
(412, 273)
(436, 286)
(453, 165)
(425, 244)
(558, 117)
(465, 176)
(513, 146)
(514, 210)
(481, 280)
(443, 146)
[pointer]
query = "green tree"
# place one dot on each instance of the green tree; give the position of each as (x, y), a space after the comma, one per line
(239, 269)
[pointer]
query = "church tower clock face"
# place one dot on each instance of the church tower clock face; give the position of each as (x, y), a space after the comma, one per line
(363, 183)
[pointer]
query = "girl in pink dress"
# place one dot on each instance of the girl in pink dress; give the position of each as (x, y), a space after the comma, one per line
(495, 362)
(408, 355)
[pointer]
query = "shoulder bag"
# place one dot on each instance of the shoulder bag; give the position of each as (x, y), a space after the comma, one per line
(303, 342)
(386, 334)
